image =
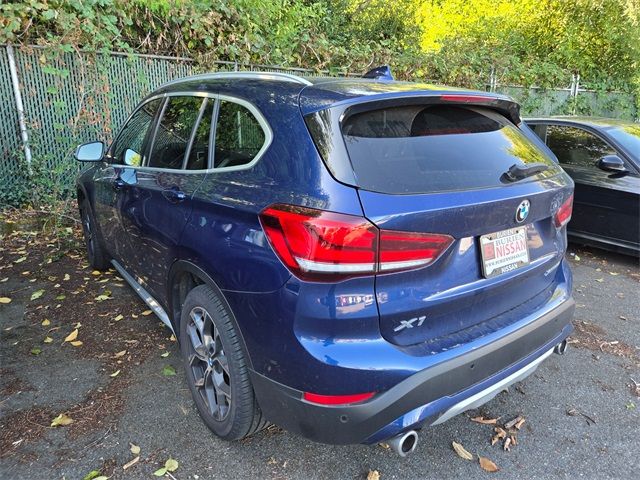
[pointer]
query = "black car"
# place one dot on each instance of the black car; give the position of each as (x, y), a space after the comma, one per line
(602, 155)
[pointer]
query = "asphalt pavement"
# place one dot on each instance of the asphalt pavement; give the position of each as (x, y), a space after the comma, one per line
(581, 410)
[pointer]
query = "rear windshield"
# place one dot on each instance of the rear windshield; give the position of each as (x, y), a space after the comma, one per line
(425, 149)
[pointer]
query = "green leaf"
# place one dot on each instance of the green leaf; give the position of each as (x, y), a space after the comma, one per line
(160, 472)
(92, 475)
(171, 465)
(36, 351)
(37, 294)
(168, 371)
(164, 355)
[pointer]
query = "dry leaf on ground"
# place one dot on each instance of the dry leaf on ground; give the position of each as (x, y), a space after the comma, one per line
(485, 421)
(72, 336)
(487, 465)
(373, 475)
(460, 450)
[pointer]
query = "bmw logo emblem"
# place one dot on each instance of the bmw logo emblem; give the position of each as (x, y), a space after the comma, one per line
(522, 212)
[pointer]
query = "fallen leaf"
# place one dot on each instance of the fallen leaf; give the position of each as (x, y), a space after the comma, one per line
(61, 297)
(460, 450)
(172, 338)
(76, 343)
(507, 445)
(576, 258)
(115, 374)
(36, 351)
(373, 475)
(92, 475)
(519, 424)
(147, 312)
(48, 340)
(168, 371)
(518, 420)
(66, 276)
(131, 463)
(118, 318)
(485, 421)
(500, 434)
(72, 336)
(630, 406)
(487, 465)
(120, 354)
(5, 300)
(37, 294)
(164, 355)
(171, 465)
(61, 419)
(20, 260)
(599, 280)
(614, 273)
(95, 272)
(135, 449)
(46, 322)
(160, 472)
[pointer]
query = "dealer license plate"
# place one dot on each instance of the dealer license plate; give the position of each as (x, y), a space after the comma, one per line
(504, 251)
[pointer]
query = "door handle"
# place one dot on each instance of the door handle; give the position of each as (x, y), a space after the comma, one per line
(118, 184)
(174, 195)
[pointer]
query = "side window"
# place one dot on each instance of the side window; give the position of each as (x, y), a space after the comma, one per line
(174, 132)
(574, 146)
(239, 136)
(128, 149)
(199, 153)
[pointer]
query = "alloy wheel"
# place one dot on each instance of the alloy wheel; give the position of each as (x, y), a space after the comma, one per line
(209, 363)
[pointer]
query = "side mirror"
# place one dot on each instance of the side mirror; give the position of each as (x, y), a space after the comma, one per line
(611, 163)
(90, 152)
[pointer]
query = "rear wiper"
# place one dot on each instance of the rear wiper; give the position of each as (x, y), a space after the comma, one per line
(517, 172)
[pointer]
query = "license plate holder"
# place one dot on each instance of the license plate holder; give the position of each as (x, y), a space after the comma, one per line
(504, 251)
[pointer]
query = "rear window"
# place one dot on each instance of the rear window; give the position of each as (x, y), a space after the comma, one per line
(425, 149)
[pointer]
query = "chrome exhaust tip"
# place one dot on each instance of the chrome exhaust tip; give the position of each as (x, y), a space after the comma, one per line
(561, 348)
(404, 444)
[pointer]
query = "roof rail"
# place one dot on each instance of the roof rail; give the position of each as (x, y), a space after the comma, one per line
(284, 77)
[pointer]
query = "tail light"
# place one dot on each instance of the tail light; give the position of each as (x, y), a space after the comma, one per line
(563, 215)
(326, 246)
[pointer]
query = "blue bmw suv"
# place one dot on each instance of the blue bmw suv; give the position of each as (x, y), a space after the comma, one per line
(351, 259)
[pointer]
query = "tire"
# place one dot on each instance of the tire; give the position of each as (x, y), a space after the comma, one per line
(96, 253)
(216, 367)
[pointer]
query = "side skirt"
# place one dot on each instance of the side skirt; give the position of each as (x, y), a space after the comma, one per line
(144, 295)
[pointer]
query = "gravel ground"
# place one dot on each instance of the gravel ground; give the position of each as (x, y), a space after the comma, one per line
(581, 410)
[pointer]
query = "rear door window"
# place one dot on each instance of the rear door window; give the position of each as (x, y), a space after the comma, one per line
(174, 131)
(436, 148)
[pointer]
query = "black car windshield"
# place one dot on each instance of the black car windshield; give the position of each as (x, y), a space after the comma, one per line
(629, 137)
(438, 148)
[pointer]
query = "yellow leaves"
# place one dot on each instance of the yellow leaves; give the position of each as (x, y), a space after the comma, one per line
(373, 475)
(37, 294)
(487, 465)
(48, 340)
(118, 318)
(170, 465)
(115, 374)
(72, 336)
(67, 277)
(61, 420)
(120, 354)
(147, 312)
(461, 451)
(96, 272)
(5, 300)
(77, 343)
(46, 322)
(135, 449)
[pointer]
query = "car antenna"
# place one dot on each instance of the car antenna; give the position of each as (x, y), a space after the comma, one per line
(382, 72)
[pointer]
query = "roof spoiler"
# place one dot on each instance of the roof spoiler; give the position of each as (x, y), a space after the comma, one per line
(382, 72)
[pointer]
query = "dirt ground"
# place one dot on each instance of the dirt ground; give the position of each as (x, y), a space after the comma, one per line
(78, 346)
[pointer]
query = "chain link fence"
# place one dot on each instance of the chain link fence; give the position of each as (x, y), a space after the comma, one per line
(74, 97)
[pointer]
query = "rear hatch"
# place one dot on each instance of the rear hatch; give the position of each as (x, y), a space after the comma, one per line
(457, 166)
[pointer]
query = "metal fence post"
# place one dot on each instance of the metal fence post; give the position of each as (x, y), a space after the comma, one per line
(24, 133)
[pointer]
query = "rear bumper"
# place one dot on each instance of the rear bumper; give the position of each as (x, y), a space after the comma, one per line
(423, 397)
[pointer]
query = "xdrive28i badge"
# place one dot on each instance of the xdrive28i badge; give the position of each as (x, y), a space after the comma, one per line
(522, 212)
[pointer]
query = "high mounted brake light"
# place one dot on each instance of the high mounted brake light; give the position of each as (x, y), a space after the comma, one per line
(326, 246)
(467, 98)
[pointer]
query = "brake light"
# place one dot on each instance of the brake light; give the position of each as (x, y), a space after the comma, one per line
(326, 246)
(467, 98)
(337, 399)
(563, 215)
